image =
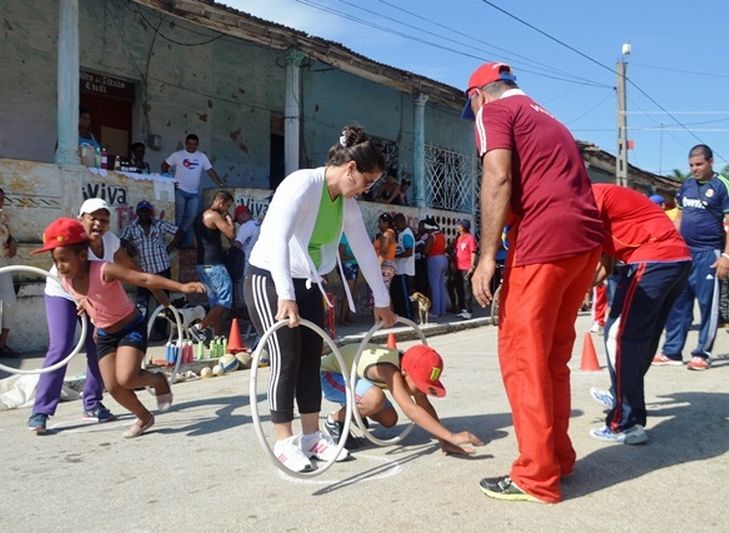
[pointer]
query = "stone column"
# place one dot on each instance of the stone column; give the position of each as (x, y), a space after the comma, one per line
(68, 83)
(292, 109)
(419, 148)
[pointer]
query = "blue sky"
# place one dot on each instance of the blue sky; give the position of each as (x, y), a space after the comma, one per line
(679, 60)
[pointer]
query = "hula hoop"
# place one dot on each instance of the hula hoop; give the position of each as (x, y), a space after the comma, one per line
(180, 338)
(84, 325)
(353, 381)
(253, 398)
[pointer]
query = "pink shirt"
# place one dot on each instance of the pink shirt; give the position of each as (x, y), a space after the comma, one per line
(106, 303)
(465, 246)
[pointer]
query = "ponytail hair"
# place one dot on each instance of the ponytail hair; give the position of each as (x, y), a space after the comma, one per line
(355, 145)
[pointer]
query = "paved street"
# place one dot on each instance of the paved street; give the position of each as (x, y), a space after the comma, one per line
(201, 468)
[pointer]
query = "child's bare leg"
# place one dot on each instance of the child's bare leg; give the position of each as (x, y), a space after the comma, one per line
(130, 375)
(373, 404)
(214, 318)
(125, 397)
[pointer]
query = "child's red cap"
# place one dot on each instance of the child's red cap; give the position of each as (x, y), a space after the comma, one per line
(62, 232)
(424, 366)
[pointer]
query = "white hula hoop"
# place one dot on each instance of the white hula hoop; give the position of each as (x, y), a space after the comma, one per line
(180, 338)
(253, 399)
(353, 381)
(81, 340)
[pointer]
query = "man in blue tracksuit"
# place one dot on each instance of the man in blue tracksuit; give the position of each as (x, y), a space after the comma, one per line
(703, 202)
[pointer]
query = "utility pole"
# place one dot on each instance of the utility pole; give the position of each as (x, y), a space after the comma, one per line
(621, 162)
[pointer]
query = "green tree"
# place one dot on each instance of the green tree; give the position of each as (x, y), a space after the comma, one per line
(725, 171)
(679, 175)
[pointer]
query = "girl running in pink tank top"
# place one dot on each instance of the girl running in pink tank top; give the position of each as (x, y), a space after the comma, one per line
(121, 333)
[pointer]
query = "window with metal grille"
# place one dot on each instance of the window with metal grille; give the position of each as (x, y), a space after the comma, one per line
(450, 180)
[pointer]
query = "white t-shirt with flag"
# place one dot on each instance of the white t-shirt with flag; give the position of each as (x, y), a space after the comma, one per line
(188, 169)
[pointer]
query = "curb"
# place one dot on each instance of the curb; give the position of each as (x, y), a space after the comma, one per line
(404, 333)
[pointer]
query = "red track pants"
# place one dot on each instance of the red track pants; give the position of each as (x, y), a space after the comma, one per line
(536, 335)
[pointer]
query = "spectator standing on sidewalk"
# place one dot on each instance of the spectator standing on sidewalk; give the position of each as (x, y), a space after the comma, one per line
(703, 202)
(8, 250)
(189, 165)
(385, 245)
(146, 239)
(466, 250)
(437, 268)
(402, 283)
(247, 233)
(534, 180)
(210, 265)
(422, 244)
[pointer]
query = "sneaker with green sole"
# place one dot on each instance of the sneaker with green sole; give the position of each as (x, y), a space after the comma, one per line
(504, 488)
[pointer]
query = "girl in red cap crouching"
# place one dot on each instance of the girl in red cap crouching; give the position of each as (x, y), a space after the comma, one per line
(121, 333)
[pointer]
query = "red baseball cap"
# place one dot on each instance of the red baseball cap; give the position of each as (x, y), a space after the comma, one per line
(424, 365)
(240, 210)
(483, 75)
(62, 232)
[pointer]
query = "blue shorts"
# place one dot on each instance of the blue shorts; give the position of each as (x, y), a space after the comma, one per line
(218, 284)
(134, 335)
(350, 271)
(332, 388)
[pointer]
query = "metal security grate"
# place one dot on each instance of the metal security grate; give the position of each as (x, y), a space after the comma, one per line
(450, 180)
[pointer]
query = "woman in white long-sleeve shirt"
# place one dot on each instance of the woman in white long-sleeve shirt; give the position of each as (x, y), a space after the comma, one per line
(298, 243)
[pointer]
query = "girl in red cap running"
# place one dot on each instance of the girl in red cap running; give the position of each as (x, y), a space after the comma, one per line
(121, 333)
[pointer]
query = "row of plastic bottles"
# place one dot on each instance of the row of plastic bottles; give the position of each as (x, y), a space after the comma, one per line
(190, 351)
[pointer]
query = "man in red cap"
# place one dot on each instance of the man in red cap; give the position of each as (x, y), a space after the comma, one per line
(533, 179)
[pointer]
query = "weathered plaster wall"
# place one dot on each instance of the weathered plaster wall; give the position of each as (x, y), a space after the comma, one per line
(224, 91)
(38, 193)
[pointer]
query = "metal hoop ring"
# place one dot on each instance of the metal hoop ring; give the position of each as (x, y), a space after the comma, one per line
(353, 381)
(253, 398)
(84, 325)
(180, 338)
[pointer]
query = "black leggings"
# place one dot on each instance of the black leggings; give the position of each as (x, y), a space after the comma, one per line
(295, 353)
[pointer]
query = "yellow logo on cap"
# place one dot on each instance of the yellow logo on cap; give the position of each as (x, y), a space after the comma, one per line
(435, 373)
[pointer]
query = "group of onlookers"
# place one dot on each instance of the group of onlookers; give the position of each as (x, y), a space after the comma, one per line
(421, 261)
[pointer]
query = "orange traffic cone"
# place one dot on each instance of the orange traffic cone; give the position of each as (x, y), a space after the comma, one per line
(589, 356)
(235, 344)
(391, 342)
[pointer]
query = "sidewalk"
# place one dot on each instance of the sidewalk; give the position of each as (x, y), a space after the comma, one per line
(449, 323)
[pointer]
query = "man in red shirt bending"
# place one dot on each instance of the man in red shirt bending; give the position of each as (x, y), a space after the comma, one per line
(534, 179)
(656, 266)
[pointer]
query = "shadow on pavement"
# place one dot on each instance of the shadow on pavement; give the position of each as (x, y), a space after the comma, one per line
(694, 429)
(220, 419)
(377, 470)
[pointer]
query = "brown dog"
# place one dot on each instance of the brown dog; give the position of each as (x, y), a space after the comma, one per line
(423, 306)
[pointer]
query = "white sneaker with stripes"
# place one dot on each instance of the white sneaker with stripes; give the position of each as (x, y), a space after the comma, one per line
(288, 452)
(322, 447)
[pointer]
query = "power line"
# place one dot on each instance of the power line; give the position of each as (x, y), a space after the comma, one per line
(474, 39)
(602, 65)
(681, 71)
(392, 31)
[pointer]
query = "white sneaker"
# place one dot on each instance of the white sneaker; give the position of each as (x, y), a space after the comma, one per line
(321, 447)
(596, 328)
(464, 314)
(603, 397)
(632, 436)
(288, 452)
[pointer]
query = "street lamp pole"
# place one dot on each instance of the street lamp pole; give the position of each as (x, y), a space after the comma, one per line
(621, 171)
